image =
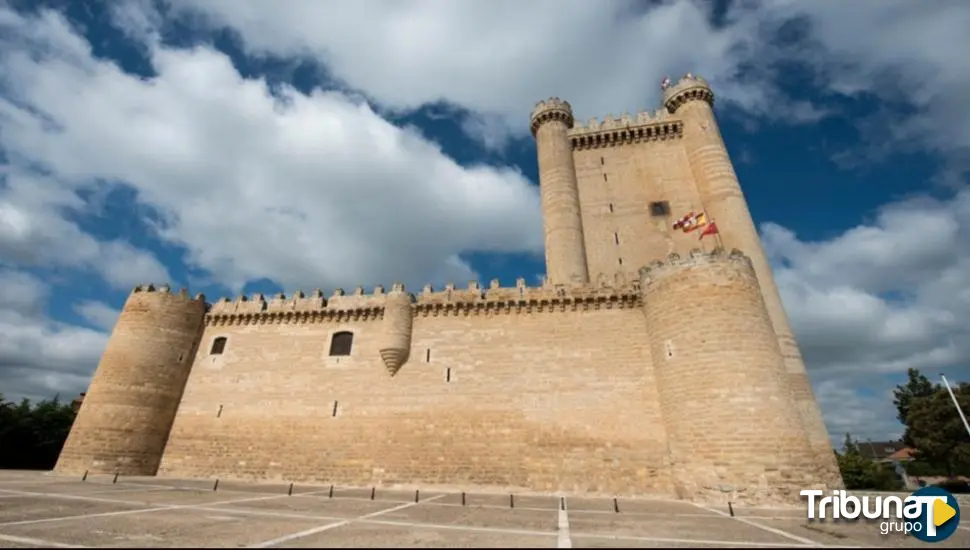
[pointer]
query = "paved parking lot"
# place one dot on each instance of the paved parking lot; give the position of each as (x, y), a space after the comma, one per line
(39, 509)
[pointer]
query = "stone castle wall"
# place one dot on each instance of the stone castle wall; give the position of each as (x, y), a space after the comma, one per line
(521, 388)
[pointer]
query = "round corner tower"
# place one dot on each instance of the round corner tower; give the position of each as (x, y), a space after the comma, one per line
(562, 220)
(124, 422)
(397, 328)
(724, 397)
(692, 100)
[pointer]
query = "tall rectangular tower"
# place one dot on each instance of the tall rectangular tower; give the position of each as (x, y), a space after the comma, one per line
(612, 190)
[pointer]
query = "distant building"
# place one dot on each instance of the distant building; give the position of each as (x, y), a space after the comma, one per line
(886, 451)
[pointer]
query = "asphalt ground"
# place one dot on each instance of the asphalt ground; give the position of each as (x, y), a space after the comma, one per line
(38, 509)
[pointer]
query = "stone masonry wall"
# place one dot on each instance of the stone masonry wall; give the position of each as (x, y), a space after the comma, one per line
(531, 395)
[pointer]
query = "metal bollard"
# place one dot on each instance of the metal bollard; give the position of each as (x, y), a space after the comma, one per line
(215, 485)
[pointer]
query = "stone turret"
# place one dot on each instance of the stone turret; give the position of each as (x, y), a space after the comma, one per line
(730, 418)
(692, 100)
(124, 421)
(396, 327)
(559, 190)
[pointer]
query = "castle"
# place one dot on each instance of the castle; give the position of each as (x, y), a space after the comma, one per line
(649, 362)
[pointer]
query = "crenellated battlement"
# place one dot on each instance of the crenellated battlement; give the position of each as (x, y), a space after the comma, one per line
(523, 298)
(166, 289)
(552, 109)
(689, 88)
(474, 298)
(697, 258)
(625, 130)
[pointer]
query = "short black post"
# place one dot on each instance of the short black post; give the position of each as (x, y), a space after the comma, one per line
(417, 495)
(463, 498)
(730, 509)
(373, 491)
(511, 501)
(85, 476)
(562, 503)
(616, 506)
(331, 491)
(116, 478)
(290, 492)
(215, 485)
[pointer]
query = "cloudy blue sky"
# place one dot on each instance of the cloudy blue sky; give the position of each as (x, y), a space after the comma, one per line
(254, 146)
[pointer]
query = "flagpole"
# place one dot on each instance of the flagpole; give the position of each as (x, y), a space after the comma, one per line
(956, 403)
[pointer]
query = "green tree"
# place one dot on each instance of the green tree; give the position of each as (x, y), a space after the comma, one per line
(937, 432)
(32, 436)
(859, 472)
(916, 386)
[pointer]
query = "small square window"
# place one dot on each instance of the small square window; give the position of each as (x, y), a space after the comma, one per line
(660, 208)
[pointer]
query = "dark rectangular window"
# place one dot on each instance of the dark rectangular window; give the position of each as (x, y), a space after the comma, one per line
(427, 356)
(660, 208)
(218, 346)
(621, 261)
(602, 160)
(611, 207)
(341, 344)
(616, 238)
(604, 177)
(448, 374)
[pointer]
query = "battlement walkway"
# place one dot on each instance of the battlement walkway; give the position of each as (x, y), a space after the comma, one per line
(38, 509)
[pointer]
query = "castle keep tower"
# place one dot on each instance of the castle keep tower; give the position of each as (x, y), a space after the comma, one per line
(561, 219)
(128, 410)
(692, 100)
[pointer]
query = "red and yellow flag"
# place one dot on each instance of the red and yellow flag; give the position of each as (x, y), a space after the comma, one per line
(711, 229)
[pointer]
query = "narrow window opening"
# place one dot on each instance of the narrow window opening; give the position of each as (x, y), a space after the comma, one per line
(659, 208)
(448, 374)
(616, 238)
(181, 357)
(341, 344)
(218, 346)
(219, 413)
(611, 207)
(602, 161)
(334, 408)
(621, 261)
(427, 357)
